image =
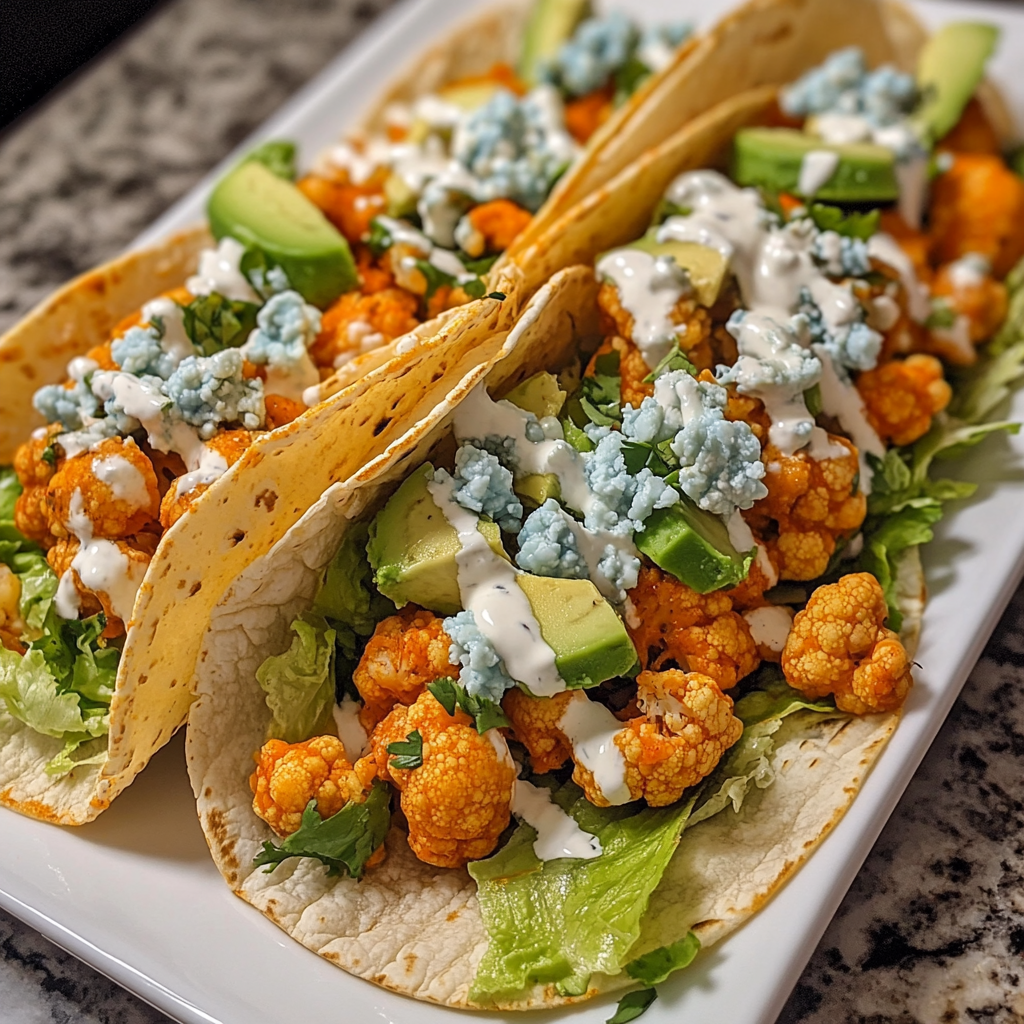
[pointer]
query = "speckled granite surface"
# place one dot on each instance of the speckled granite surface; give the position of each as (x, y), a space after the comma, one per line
(932, 930)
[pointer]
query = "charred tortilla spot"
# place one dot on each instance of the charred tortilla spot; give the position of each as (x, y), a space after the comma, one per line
(267, 498)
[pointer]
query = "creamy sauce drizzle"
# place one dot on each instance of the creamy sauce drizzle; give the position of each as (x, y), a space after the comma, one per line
(770, 626)
(816, 170)
(125, 481)
(885, 249)
(219, 272)
(353, 736)
(175, 342)
(489, 589)
(742, 539)
(558, 835)
(590, 729)
(592, 545)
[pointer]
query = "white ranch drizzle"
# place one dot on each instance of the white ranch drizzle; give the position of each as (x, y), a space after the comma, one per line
(212, 465)
(558, 835)
(969, 271)
(81, 366)
(770, 626)
(175, 342)
(125, 481)
(885, 249)
(649, 288)
(477, 416)
(957, 338)
(67, 601)
(816, 170)
(590, 729)
(502, 612)
(292, 381)
(219, 272)
(353, 736)
(742, 539)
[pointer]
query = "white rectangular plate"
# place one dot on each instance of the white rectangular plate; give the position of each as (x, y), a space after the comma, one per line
(136, 896)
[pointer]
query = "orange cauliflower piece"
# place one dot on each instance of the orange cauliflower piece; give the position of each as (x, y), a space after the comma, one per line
(11, 624)
(115, 501)
(978, 206)
(289, 775)
(231, 445)
(138, 551)
(358, 323)
(535, 724)
(699, 632)
(350, 208)
(686, 727)
(500, 222)
(632, 370)
(30, 466)
(406, 651)
(839, 645)
(457, 802)
(281, 410)
(979, 299)
(902, 396)
(694, 332)
(973, 133)
(585, 114)
(32, 515)
(810, 503)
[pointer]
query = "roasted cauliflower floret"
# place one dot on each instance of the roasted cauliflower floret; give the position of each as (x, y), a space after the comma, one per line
(282, 410)
(839, 645)
(902, 396)
(32, 515)
(358, 323)
(699, 632)
(180, 498)
(38, 459)
(350, 208)
(406, 651)
(134, 555)
(686, 727)
(694, 331)
(457, 802)
(973, 295)
(977, 206)
(289, 775)
(499, 223)
(810, 504)
(109, 491)
(535, 724)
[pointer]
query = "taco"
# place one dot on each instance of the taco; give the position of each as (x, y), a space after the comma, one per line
(147, 380)
(569, 681)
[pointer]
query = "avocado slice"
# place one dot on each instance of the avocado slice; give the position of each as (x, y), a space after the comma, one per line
(706, 267)
(542, 395)
(551, 23)
(774, 158)
(694, 546)
(949, 68)
(261, 209)
(469, 96)
(581, 627)
(412, 548)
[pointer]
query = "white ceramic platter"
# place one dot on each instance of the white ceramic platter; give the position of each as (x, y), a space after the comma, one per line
(136, 896)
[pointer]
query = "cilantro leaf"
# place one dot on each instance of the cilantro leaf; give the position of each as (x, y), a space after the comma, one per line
(214, 323)
(343, 842)
(941, 316)
(500, 296)
(480, 266)
(632, 1005)
(851, 225)
(407, 753)
(486, 714)
(277, 156)
(380, 239)
(675, 360)
(600, 394)
(654, 967)
(638, 455)
(812, 399)
(474, 289)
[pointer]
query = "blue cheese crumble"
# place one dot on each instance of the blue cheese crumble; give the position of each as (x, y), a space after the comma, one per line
(141, 353)
(286, 327)
(208, 391)
(547, 545)
(484, 486)
(483, 672)
(597, 49)
(71, 407)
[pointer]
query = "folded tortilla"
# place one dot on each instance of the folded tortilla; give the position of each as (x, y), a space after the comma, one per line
(406, 925)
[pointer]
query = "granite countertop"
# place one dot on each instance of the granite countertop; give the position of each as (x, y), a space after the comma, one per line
(933, 928)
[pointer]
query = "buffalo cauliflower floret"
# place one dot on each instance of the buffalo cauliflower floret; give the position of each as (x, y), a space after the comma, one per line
(457, 802)
(37, 460)
(839, 645)
(535, 724)
(289, 775)
(358, 322)
(184, 492)
(902, 396)
(698, 632)
(686, 726)
(495, 226)
(977, 300)
(810, 504)
(110, 491)
(406, 651)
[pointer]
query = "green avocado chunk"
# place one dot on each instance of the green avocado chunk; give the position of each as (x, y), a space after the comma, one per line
(581, 627)
(542, 395)
(551, 23)
(773, 158)
(693, 546)
(412, 548)
(950, 66)
(706, 267)
(261, 209)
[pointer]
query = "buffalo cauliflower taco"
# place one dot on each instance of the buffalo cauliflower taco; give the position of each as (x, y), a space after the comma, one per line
(128, 395)
(563, 685)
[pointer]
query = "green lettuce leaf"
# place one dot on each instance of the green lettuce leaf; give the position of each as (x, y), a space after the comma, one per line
(347, 594)
(343, 842)
(654, 967)
(852, 225)
(559, 921)
(299, 684)
(10, 491)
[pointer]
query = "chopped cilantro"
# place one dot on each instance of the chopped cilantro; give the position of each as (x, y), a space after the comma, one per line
(49, 455)
(486, 714)
(407, 753)
(500, 296)
(214, 323)
(480, 266)
(851, 225)
(638, 455)
(632, 1005)
(941, 316)
(812, 399)
(380, 239)
(343, 842)
(599, 395)
(666, 208)
(675, 360)
(278, 158)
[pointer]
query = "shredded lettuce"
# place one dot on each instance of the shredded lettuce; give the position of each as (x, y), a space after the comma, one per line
(347, 595)
(653, 968)
(527, 904)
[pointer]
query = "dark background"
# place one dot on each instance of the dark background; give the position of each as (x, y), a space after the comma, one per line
(44, 41)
